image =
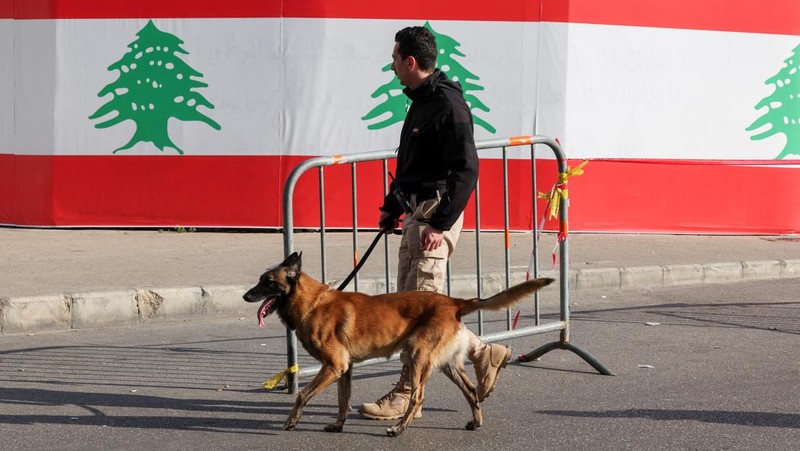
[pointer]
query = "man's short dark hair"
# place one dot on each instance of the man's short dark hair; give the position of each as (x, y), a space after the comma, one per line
(420, 43)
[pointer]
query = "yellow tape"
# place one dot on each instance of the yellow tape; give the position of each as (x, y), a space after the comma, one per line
(555, 202)
(273, 381)
(578, 170)
(558, 193)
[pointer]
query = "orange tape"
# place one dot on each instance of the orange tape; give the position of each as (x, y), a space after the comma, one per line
(563, 231)
(355, 258)
(337, 159)
(508, 240)
(520, 140)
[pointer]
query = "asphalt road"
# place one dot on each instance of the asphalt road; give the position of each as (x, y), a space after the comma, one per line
(720, 370)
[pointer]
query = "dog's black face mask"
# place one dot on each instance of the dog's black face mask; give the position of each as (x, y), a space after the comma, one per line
(274, 286)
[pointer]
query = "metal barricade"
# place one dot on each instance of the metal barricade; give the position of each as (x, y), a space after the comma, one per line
(561, 198)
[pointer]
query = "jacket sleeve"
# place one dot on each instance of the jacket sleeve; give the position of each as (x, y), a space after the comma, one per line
(391, 204)
(461, 158)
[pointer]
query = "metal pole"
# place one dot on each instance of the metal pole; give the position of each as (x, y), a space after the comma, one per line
(386, 263)
(534, 196)
(561, 159)
(478, 251)
(505, 230)
(323, 255)
(356, 257)
(288, 247)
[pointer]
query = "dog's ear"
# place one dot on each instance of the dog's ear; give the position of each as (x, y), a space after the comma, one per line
(293, 264)
(292, 258)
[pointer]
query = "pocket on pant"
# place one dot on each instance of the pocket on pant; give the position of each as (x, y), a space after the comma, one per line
(412, 234)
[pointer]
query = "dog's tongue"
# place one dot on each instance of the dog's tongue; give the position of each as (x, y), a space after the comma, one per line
(261, 311)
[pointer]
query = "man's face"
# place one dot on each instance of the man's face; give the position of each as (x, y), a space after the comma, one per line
(400, 66)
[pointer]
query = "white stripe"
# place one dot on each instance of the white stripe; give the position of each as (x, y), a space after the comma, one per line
(637, 92)
(6, 85)
(297, 87)
(301, 86)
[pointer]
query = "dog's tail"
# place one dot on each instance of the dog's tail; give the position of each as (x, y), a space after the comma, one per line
(507, 298)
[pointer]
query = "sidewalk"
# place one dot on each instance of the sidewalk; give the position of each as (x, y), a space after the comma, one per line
(61, 279)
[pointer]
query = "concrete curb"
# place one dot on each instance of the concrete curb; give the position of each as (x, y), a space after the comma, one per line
(100, 309)
(114, 308)
(649, 277)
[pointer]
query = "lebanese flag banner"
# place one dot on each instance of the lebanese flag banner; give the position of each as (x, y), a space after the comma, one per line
(193, 113)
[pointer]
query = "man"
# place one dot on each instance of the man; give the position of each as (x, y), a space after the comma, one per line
(437, 170)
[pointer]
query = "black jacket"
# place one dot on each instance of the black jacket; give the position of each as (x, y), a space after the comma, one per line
(436, 144)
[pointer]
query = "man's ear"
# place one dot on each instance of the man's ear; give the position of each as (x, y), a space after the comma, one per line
(411, 62)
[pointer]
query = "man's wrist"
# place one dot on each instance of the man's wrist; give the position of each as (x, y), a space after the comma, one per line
(438, 227)
(435, 229)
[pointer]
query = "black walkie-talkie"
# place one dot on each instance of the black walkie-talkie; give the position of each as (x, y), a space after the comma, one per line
(401, 197)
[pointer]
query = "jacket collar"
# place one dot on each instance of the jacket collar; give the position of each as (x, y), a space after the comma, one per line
(428, 85)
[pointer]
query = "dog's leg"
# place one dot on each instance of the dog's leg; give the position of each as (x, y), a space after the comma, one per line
(344, 401)
(418, 375)
(456, 373)
(421, 397)
(325, 377)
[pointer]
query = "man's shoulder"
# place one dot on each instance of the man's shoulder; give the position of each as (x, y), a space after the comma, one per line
(445, 99)
(455, 103)
(438, 102)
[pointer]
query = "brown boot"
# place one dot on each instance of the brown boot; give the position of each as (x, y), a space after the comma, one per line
(393, 405)
(488, 361)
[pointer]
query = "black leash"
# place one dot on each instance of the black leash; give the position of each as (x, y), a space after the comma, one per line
(363, 259)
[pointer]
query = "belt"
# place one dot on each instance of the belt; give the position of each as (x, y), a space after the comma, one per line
(431, 190)
(427, 194)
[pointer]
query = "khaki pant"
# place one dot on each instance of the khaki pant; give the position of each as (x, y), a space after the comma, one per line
(418, 269)
(427, 270)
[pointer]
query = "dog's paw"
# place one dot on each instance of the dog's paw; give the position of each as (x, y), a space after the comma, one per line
(334, 427)
(289, 425)
(394, 431)
(472, 425)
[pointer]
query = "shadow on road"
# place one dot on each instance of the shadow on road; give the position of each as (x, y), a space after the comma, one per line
(757, 419)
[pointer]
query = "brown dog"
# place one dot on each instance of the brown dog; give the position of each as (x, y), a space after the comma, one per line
(340, 328)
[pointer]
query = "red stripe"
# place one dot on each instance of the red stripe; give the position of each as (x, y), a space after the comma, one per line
(696, 197)
(7, 9)
(775, 16)
(246, 191)
(145, 9)
(754, 16)
(7, 189)
(241, 191)
(152, 191)
(500, 10)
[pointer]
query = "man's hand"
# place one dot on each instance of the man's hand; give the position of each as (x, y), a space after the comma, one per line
(388, 223)
(431, 238)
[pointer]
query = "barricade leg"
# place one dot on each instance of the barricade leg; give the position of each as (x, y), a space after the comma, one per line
(590, 359)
